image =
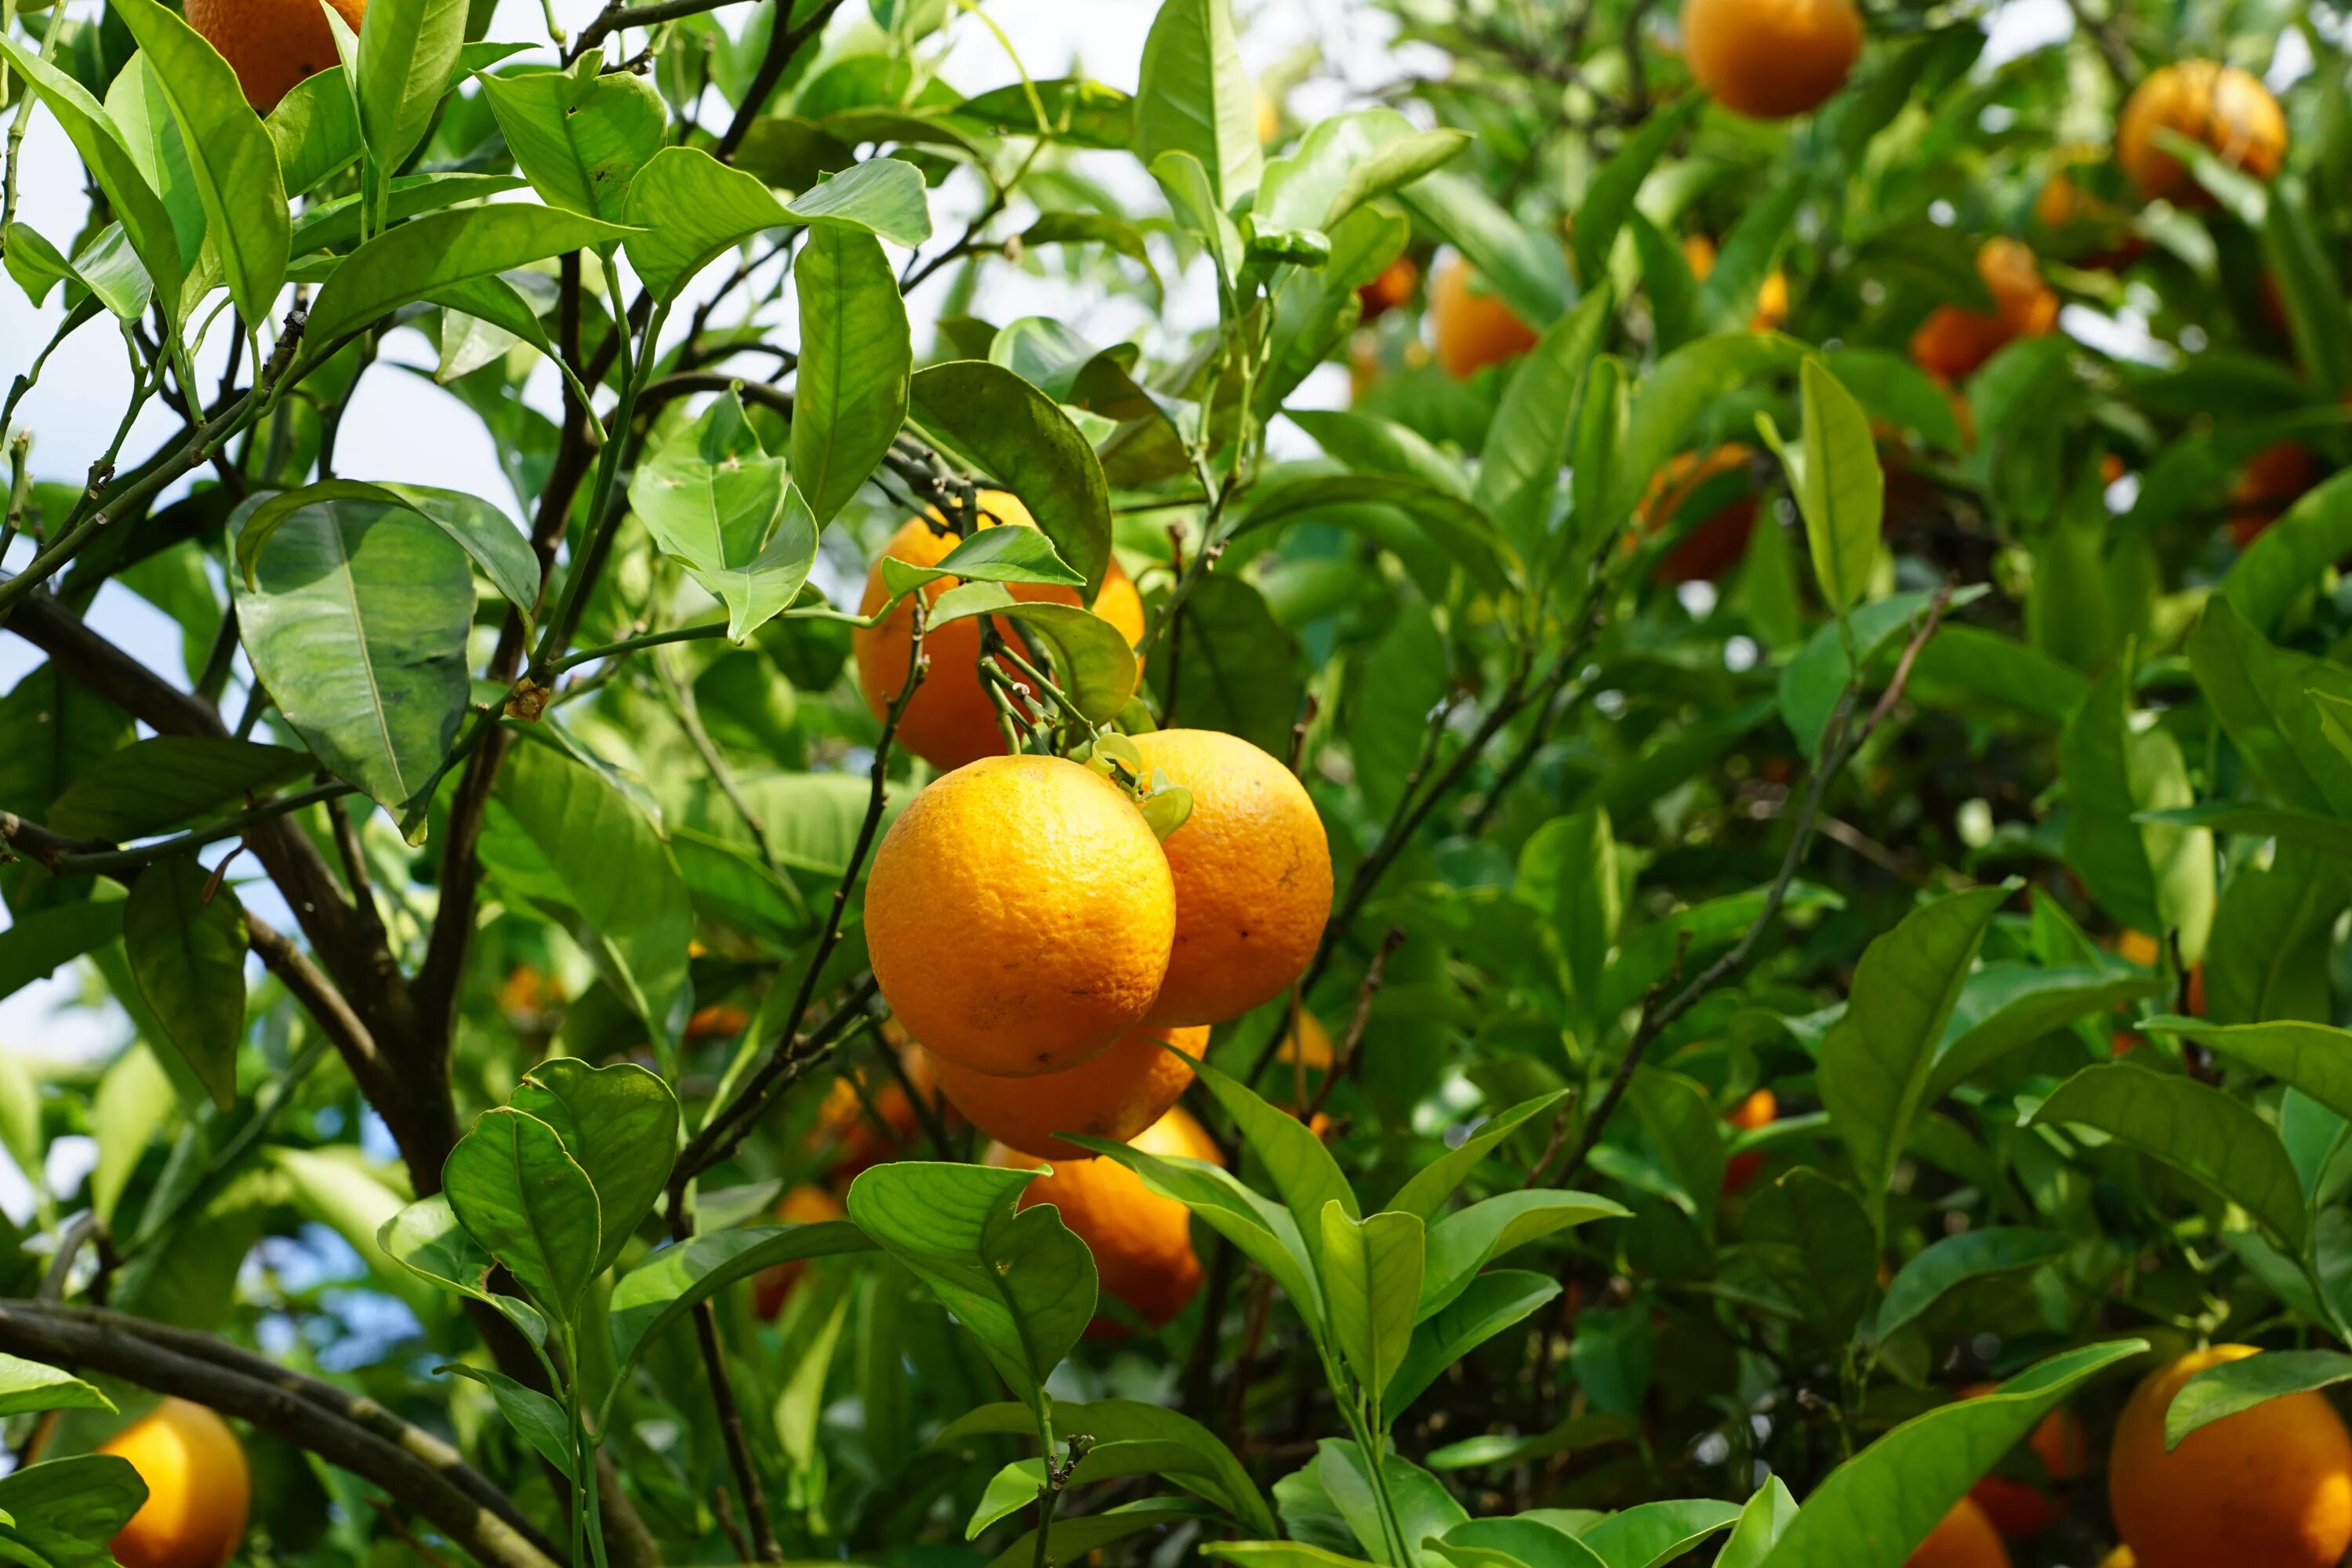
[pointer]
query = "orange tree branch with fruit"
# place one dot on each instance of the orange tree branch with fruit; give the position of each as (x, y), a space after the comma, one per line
(761, 994)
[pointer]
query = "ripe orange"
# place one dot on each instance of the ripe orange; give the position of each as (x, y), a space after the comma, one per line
(2268, 1488)
(2268, 484)
(2121, 1557)
(2222, 107)
(805, 1205)
(198, 1488)
(1115, 1096)
(1391, 289)
(1963, 1538)
(1772, 59)
(272, 44)
(1142, 1242)
(860, 1138)
(1771, 297)
(716, 1021)
(2016, 1509)
(1309, 1043)
(1758, 1110)
(1253, 875)
(1716, 545)
(1019, 915)
(1475, 328)
(950, 721)
(1952, 342)
(2093, 230)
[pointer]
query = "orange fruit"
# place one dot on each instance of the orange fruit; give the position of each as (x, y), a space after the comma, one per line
(950, 721)
(272, 44)
(1269, 119)
(1142, 1242)
(198, 1488)
(1019, 915)
(806, 1203)
(2268, 484)
(1115, 1096)
(1963, 1538)
(717, 1021)
(1475, 328)
(1253, 876)
(1393, 287)
(859, 1137)
(1952, 342)
(2268, 1488)
(2222, 107)
(1716, 545)
(2121, 1557)
(2017, 1510)
(1771, 297)
(1309, 1043)
(2093, 230)
(1772, 59)
(1758, 1110)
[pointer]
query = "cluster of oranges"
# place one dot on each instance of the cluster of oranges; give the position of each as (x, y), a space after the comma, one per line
(2269, 1486)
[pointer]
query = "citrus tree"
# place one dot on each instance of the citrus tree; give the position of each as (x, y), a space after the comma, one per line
(1646, 864)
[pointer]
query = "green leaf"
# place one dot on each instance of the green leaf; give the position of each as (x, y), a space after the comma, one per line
(1839, 487)
(2260, 819)
(1218, 1477)
(2149, 876)
(1726, 299)
(883, 196)
(1899, 392)
(1371, 1270)
(1092, 662)
(714, 499)
(1456, 526)
(581, 135)
(1344, 162)
(688, 208)
(1195, 96)
(1684, 1128)
(2231, 1387)
(2308, 283)
(1072, 1539)
(480, 530)
(1423, 1506)
(2272, 932)
(856, 359)
(1014, 434)
(1426, 1192)
(135, 1101)
(412, 259)
(1372, 445)
(536, 1419)
(1651, 1534)
(1610, 197)
(2259, 694)
(1304, 1174)
(672, 1282)
(1528, 444)
(26, 1386)
(188, 958)
(1945, 1265)
(315, 130)
(2004, 1006)
(1597, 448)
(2314, 1057)
(328, 226)
(1524, 1540)
(1878, 1506)
(407, 53)
(2281, 566)
(1672, 396)
(1578, 1432)
(427, 1239)
(354, 614)
(232, 157)
(1019, 1280)
(1079, 110)
(165, 782)
(66, 1511)
(520, 1195)
(144, 219)
(1876, 1061)
(2201, 1132)
(1522, 265)
(1762, 1522)
(1819, 1240)
(1467, 1240)
(620, 1123)
(990, 555)
(1016, 1486)
(1247, 680)
(565, 838)
(1490, 1303)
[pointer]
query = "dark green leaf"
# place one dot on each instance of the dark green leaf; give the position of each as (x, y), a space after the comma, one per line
(672, 1282)
(2201, 1132)
(1952, 1261)
(620, 1123)
(856, 357)
(1020, 437)
(520, 1195)
(1491, 1303)
(188, 958)
(66, 1511)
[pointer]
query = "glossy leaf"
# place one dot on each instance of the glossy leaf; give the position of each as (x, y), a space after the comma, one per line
(1524, 267)
(315, 129)
(1019, 1280)
(355, 614)
(1946, 1263)
(64, 1513)
(1426, 1191)
(528, 1204)
(1876, 1062)
(1344, 162)
(857, 358)
(671, 1283)
(1093, 664)
(1762, 1522)
(407, 53)
(2314, 1058)
(165, 782)
(620, 1124)
(2151, 876)
(1839, 488)
(1490, 1303)
(1018, 437)
(537, 1419)
(26, 1386)
(473, 524)
(1195, 96)
(1502, 1542)
(2224, 1390)
(2198, 1131)
(1468, 1239)
(712, 498)
(1371, 1270)
(188, 957)
(1651, 1534)
(581, 135)
(2003, 1006)
(412, 259)
(1528, 444)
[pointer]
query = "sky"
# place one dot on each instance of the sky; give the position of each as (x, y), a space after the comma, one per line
(401, 426)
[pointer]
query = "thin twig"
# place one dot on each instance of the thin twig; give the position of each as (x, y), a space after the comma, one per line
(1375, 975)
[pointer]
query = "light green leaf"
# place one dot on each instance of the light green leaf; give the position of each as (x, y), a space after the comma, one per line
(1490, 1303)
(713, 498)
(1195, 96)
(1344, 162)
(884, 196)
(536, 1419)
(520, 1195)
(1426, 1191)
(66, 1511)
(1762, 1522)
(412, 259)
(620, 1124)
(315, 130)
(1525, 1540)
(1092, 662)
(1651, 1534)
(1528, 442)
(1372, 1271)
(1838, 486)
(2150, 875)
(407, 53)
(1610, 197)
(2004, 1006)
(856, 359)
(478, 528)
(26, 1386)
(1672, 396)
(2314, 1058)
(1467, 1240)
(581, 135)
(1523, 265)
(1304, 1174)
